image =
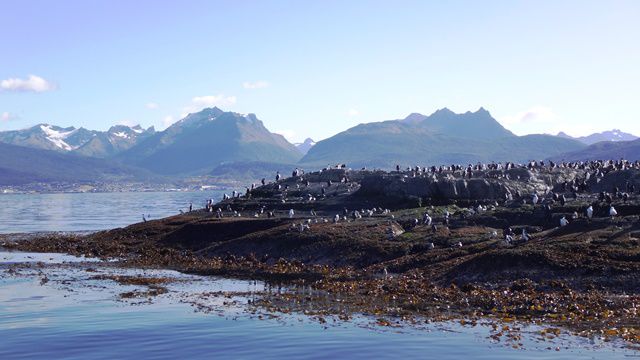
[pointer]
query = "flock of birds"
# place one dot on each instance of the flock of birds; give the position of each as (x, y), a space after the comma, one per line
(591, 169)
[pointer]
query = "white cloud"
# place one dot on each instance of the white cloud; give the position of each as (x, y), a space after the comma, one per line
(6, 116)
(152, 105)
(353, 113)
(289, 134)
(200, 102)
(535, 114)
(125, 122)
(32, 83)
(213, 100)
(168, 120)
(255, 84)
(535, 120)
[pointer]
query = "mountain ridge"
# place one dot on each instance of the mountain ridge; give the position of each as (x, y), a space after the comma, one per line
(443, 137)
(76, 140)
(609, 135)
(203, 140)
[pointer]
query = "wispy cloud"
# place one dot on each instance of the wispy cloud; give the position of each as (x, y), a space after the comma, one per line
(255, 84)
(289, 134)
(32, 83)
(125, 122)
(151, 105)
(7, 116)
(168, 120)
(535, 114)
(214, 100)
(200, 102)
(537, 119)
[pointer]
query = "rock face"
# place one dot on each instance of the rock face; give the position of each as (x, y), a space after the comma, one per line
(486, 186)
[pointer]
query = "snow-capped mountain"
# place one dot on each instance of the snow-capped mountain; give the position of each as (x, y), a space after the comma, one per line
(611, 135)
(114, 141)
(77, 140)
(305, 146)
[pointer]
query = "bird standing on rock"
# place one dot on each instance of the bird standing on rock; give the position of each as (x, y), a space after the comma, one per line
(564, 221)
(590, 212)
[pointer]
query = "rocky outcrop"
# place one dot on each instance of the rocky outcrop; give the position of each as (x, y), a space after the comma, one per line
(483, 186)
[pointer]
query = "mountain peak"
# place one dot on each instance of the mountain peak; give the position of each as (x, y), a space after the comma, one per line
(415, 117)
(482, 110)
(305, 146)
(214, 111)
(613, 135)
(443, 111)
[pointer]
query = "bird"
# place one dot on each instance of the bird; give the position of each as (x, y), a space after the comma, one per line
(590, 212)
(564, 221)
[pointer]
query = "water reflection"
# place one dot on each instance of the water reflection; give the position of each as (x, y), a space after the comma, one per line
(77, 314)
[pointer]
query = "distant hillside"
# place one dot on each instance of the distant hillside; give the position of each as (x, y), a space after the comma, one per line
(252, 171)
(441, 138)
(611, 135)
(77, 140)
(21, 165)
(606, 150)
(204, 140)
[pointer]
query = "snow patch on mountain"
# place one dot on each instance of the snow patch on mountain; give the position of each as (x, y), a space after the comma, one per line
(57, 137)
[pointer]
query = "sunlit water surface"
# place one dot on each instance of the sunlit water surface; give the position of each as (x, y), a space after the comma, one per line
(92, 211)
(72, 316)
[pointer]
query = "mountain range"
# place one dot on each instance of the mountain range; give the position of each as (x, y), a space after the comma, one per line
(223, 144)
(81, 141)
(604, 150)
(611, 135)
(443, 137)
(204, 140)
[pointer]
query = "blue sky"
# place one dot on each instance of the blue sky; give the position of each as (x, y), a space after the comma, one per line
(314, 68)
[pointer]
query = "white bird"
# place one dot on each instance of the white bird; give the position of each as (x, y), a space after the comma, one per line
(291, 213)
(612, 212)
(534, 199)
(564, 221)
(590, 212)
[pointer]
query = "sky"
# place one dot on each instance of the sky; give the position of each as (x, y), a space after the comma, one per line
(315, 68)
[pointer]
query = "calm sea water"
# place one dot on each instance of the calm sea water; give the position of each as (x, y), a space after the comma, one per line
(91, 211)
(71, 316)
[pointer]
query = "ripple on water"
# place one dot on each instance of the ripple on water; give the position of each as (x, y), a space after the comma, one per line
(76, 315)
